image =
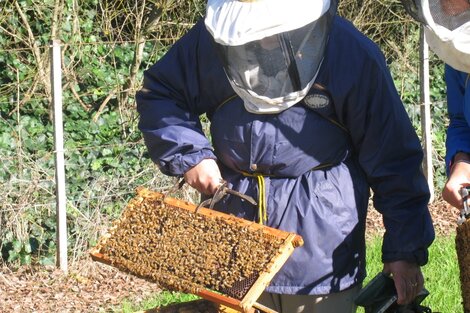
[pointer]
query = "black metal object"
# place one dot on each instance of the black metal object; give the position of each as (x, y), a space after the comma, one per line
(380, 296)
(465, 213)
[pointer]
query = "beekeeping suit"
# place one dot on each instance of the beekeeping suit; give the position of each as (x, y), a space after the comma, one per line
(447, 31)
(309, 149)
(447, 28)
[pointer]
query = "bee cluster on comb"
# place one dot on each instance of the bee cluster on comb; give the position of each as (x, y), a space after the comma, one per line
(185, 251)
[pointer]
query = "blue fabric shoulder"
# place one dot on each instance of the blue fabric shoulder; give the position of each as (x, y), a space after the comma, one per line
(458, 107)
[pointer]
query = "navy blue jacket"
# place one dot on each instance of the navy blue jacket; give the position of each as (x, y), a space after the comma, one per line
(458, 107)
(319, 159)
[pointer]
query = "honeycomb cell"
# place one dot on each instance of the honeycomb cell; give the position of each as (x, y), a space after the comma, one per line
(185, 251)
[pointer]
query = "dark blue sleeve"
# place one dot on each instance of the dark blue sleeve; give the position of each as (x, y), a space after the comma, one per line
(388, 150)
(391, 154)
(169, 107)
(458, 98)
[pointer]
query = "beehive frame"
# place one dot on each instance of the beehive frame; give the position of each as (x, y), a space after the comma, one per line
(462, 245)
(247, 302)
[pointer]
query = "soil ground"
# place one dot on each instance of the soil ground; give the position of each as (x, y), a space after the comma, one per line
(94, 287)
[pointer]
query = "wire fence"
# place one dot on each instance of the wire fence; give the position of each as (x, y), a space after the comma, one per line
(105, 157)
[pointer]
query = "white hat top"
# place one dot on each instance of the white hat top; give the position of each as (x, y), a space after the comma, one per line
(236, 22)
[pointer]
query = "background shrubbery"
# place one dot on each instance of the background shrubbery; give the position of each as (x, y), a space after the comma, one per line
(106, 47)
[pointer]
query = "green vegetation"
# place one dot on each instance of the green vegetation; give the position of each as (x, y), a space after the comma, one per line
(161, 299)
(442, 277)
(106, 47)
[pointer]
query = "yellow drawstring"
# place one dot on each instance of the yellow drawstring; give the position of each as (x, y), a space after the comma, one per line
(262, 210)
(322, 166)
(262, 205)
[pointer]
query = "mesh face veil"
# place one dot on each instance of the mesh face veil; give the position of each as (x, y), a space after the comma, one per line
(447, 28)
(272, 64)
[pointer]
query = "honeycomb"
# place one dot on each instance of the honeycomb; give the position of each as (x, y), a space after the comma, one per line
(462, 244)
(184, 251)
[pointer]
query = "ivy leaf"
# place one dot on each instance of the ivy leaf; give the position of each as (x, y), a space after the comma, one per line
(17, 245)
(47, 260)
(96, 165)
(25, 259)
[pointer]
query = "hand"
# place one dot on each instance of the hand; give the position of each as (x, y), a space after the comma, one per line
(408, 280)
(205, 177)
(459, 177)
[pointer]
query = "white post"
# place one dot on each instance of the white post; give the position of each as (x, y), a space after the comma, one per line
(56, 83)
(426, 112)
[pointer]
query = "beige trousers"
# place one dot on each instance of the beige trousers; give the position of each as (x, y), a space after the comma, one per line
(341, 302)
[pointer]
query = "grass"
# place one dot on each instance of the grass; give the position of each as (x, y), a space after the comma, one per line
(442, 277)
(441, 280)
(161, 299)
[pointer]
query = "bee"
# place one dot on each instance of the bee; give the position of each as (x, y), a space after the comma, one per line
(186, 251)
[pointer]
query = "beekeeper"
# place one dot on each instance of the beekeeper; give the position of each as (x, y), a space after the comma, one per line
(305, 118)
(447, 31)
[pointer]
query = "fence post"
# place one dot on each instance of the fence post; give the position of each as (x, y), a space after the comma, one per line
(61, 223)
(425, 107)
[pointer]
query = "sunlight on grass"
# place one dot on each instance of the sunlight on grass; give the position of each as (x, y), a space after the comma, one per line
(442, 277)
(160, 299)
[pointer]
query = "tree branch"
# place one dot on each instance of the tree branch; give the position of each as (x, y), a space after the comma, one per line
(36, 52)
